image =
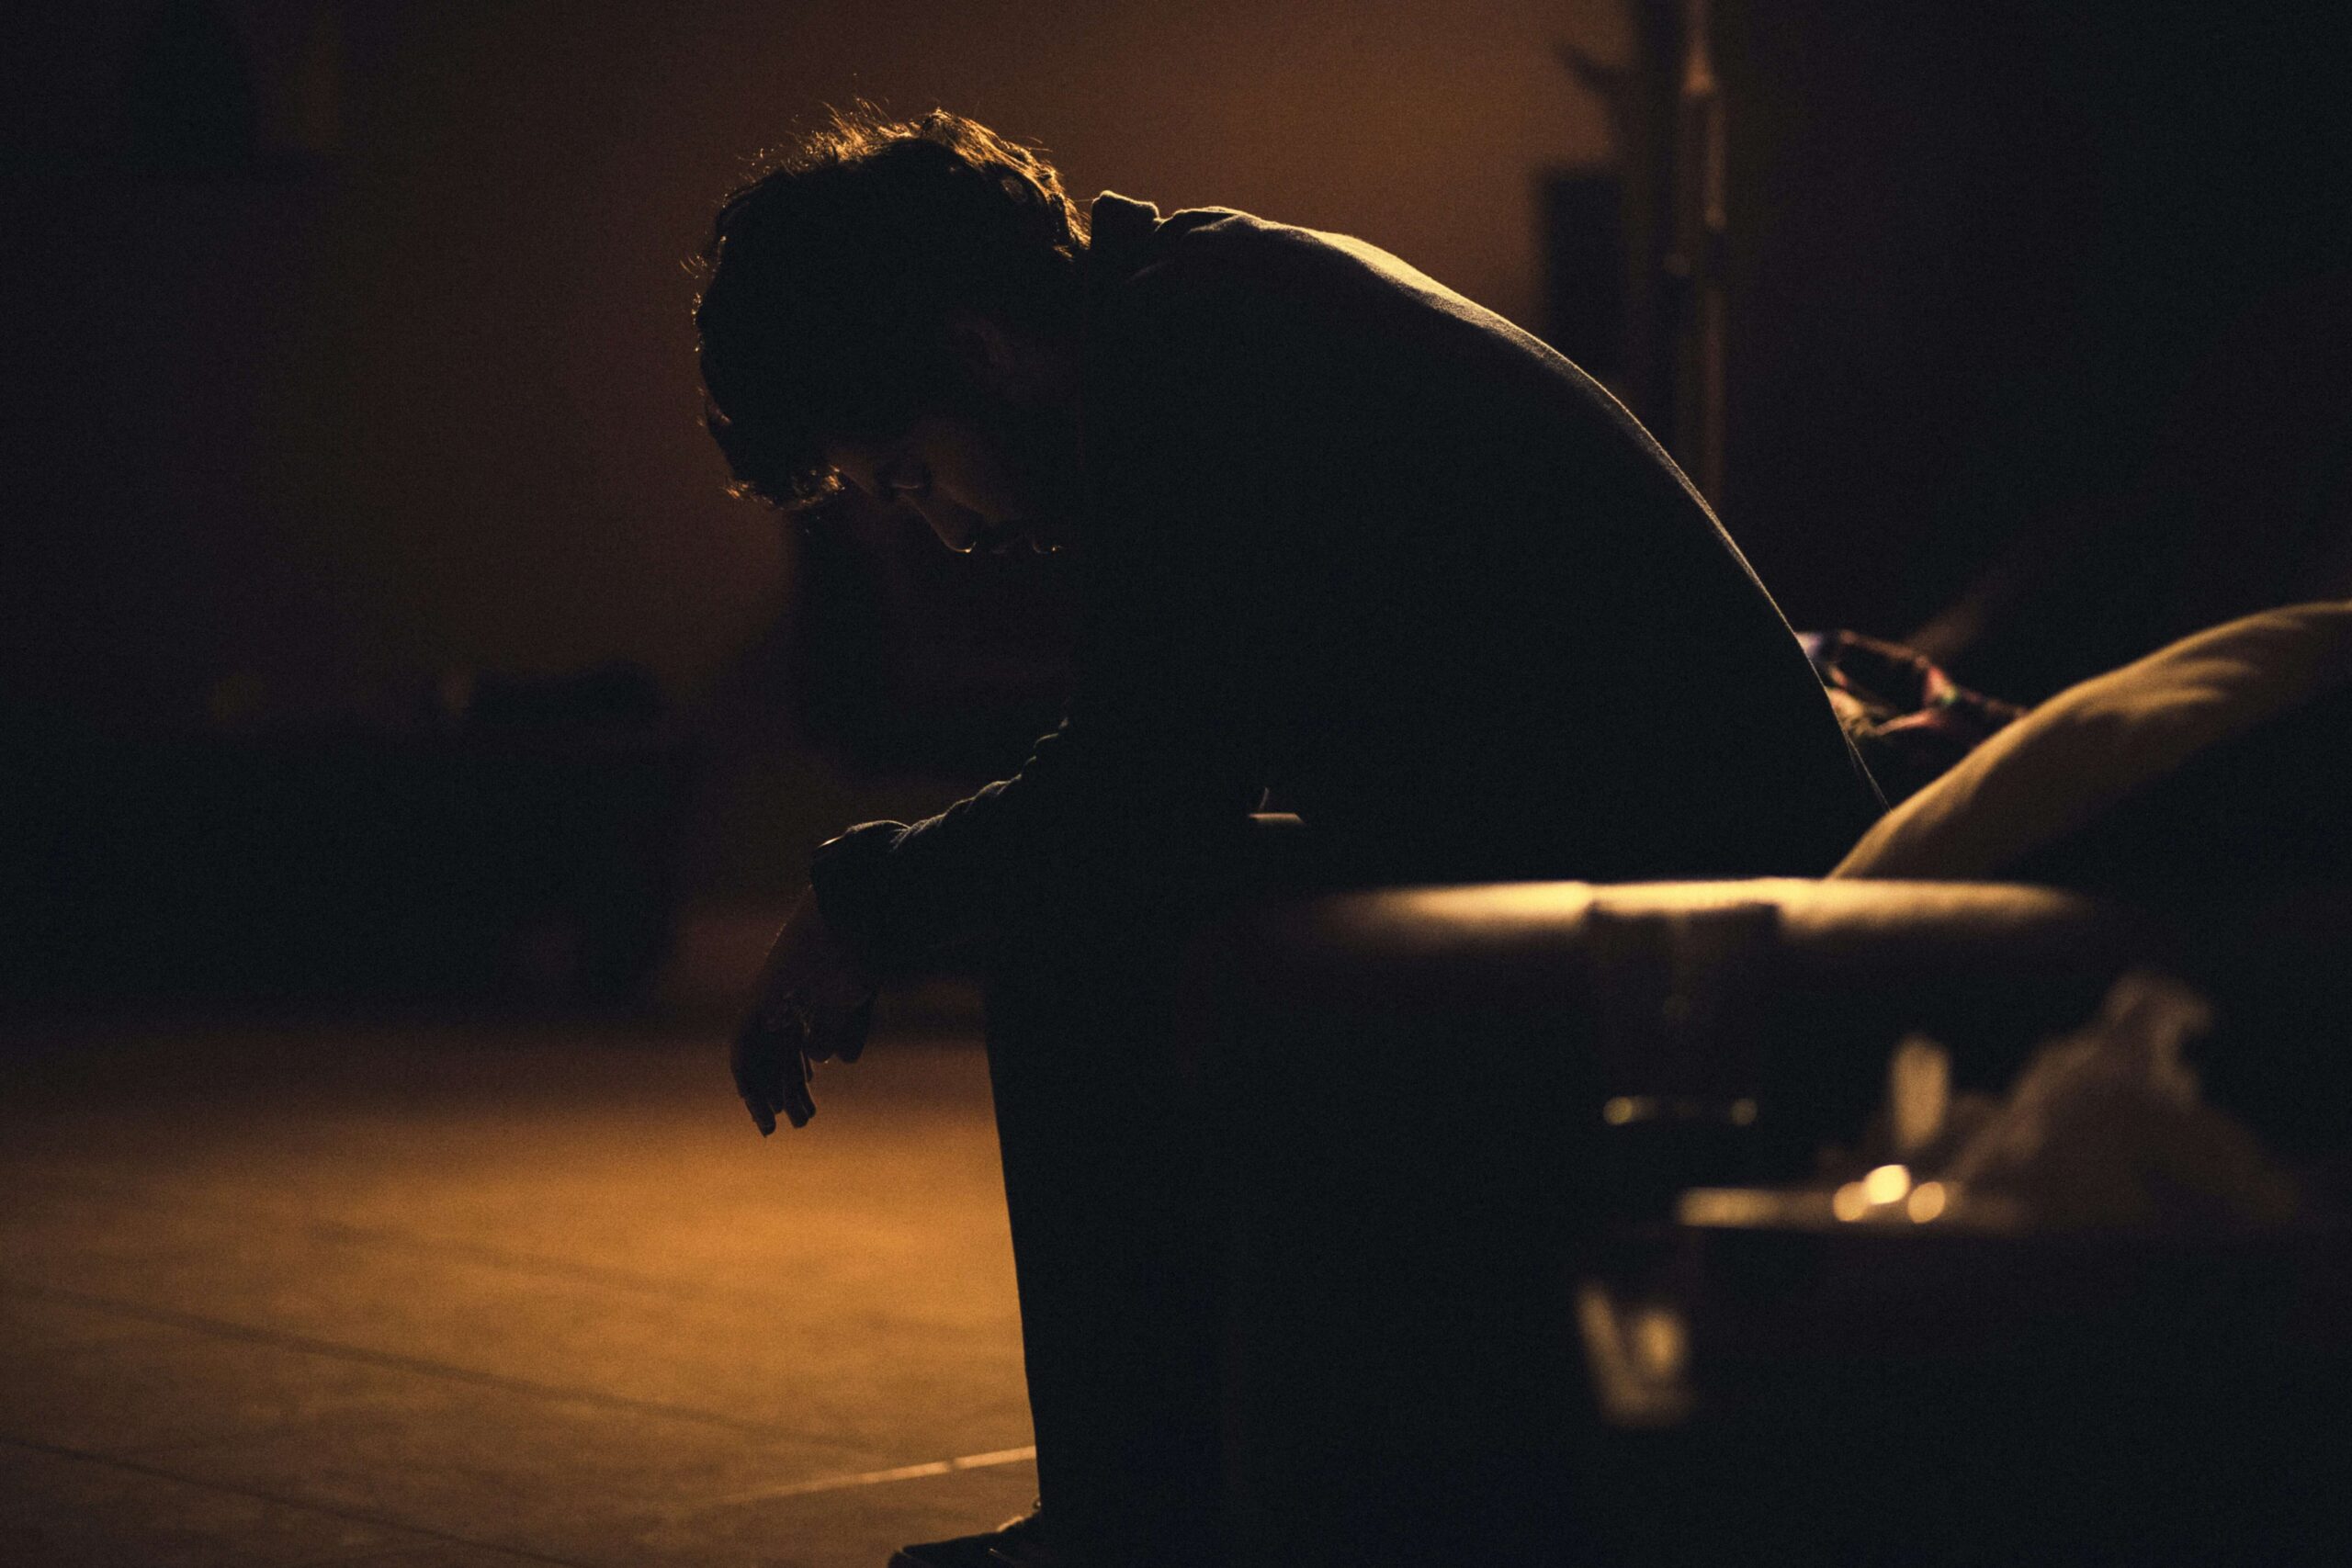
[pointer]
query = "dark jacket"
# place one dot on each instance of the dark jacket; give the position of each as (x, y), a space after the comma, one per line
(1356, 541)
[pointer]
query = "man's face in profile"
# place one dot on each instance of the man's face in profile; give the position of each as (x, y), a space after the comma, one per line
(948, 471)
(1000, 472)
(969, 482)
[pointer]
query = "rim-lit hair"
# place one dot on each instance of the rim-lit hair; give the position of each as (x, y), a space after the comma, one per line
(831, 280)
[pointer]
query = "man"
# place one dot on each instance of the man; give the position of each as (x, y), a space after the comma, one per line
(1352, 548)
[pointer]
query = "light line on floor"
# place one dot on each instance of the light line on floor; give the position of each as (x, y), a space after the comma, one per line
(153, 1199)
(221, 1328)
(355, 1516)
(872, 1477)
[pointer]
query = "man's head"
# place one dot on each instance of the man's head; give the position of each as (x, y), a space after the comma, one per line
(894, 305)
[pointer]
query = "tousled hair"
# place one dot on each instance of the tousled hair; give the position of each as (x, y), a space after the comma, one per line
(831, 281)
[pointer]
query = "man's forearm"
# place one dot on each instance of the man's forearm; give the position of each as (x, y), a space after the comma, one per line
(1076, 827)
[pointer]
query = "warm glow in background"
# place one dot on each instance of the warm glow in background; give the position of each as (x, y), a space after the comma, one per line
(434, 405)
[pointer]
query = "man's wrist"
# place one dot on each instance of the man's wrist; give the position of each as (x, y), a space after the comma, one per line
(846, 884)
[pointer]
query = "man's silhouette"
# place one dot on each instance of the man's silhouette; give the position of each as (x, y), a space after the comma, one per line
(1352, 548)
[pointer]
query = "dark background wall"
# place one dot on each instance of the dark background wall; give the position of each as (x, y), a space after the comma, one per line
(349, 392)
(412, 388)
(2041, 312)
(348, 403)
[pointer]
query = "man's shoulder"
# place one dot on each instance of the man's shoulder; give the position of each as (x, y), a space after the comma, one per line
(1238, 318)
(1138, 252)
(1251, 278)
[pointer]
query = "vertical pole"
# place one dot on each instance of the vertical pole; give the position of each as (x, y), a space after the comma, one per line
(1696, 259)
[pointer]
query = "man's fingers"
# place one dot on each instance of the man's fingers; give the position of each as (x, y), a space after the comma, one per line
(798, 1106)
(770, 1074)
(753, 1062)
(841, 1032)
(779, 1042)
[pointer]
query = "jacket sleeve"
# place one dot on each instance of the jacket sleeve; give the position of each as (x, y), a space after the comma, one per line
(1134, 804)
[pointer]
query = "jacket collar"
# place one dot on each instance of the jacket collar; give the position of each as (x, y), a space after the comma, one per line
(1122, 229)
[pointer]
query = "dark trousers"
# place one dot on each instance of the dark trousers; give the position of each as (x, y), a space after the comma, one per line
(1105, 1125)
(1105, 1179)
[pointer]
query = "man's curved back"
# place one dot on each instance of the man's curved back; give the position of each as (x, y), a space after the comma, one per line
(1471, 619)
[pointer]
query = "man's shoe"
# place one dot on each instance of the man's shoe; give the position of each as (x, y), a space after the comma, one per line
(1016, 1543)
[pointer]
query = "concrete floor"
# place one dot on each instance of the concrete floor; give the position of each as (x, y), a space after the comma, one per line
(446, 1296)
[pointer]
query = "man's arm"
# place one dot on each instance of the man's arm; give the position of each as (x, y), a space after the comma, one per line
(1140, 795)
(1118, 815)
(1138, 807)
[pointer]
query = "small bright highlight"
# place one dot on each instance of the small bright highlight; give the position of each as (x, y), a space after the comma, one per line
(1887, 1184)
(1661, 1346)
(1927, 1200)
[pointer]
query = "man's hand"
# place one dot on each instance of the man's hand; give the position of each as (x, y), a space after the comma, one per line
(814, 1003)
